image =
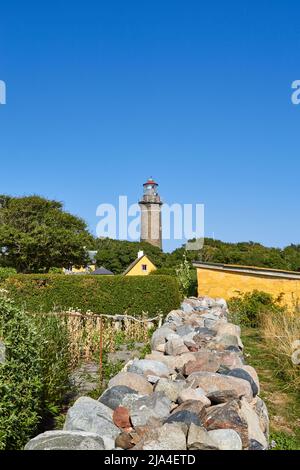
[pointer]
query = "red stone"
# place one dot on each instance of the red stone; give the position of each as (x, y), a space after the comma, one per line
(121, 418)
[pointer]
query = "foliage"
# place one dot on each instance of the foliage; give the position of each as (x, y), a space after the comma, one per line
(55, 270)
(56, 360)
(282, 441)
(250, 254)
(184, 276)
(6, 272)
(34, 378)
(117, 255)
(99, 294)
(20, 377)
(248, 308)
(36, 234)
(242, 253)
(164, 271)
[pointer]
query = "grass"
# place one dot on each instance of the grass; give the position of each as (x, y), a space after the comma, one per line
(283, 403)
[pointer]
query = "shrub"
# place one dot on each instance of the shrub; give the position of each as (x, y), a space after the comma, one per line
(20, 377)
(5, 273)
(99, 294)
(248, 308)
(34, 377)
(164, 272)
(55, 361)
(187, 278)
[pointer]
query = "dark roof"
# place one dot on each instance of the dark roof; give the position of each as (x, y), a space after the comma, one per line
(102, 271)
(254, 270)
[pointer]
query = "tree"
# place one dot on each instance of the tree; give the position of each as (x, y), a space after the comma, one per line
(36, 234)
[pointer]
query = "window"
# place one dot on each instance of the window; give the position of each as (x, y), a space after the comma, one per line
(144, 267)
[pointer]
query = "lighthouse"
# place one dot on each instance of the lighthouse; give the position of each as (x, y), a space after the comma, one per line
(150, 204)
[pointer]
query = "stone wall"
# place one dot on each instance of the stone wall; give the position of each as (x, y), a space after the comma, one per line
(193, 392)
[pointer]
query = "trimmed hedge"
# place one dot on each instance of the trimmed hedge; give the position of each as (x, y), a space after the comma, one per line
(108, 295)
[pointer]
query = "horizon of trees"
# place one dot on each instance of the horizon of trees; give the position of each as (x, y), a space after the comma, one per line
(36, 234)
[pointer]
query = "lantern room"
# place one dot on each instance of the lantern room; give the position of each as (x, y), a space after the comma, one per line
(150, 187)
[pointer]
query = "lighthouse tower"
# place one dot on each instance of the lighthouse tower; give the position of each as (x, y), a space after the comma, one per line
(150, 205)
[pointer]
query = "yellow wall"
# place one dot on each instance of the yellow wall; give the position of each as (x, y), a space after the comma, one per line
(82, 269)
(136, 270)
(227, 284)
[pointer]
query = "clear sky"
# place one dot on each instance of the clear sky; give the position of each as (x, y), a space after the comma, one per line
(197, 94)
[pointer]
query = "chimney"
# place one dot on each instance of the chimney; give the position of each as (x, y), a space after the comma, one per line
(140, 254)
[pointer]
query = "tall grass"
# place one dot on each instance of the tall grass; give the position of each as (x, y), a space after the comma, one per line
(278, 325)
(282, 334)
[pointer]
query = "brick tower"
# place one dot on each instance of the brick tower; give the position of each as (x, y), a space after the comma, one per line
(150, 204)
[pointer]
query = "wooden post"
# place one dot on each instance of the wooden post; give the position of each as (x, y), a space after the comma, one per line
(100, 353)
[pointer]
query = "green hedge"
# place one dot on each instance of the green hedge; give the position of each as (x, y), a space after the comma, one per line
(109, 295)
(164, 271)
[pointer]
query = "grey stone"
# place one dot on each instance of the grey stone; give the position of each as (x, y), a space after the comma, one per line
(233, 349)
(214, 382)
(175, 317)
(243, 374)
(141, 409)
(230, 340)
(199, 439)
(92, 416)
(255, 445)
(227, 416)
(222, 396)
(184, 416)
(205, 331)
(112, 397)
(149, 367)
(187, 307)
(254, 430)
(153, 379)
(175, 347)
(137, 382)
(170, 388)
(226, 439)
(159, 336)
(263, 416)
(184, 330)
(66, 440)
(170, 436)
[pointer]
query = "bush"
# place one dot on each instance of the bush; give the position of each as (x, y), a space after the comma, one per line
(5, 273)
(164, 272)
(248, 308)
(55, 361)
(20, 377)
(34, 377)
(108, 294)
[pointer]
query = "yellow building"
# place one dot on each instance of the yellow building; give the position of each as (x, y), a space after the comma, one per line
(224, 280)
(142, 266)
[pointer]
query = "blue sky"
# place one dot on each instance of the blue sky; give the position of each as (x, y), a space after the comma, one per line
(101, 95)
